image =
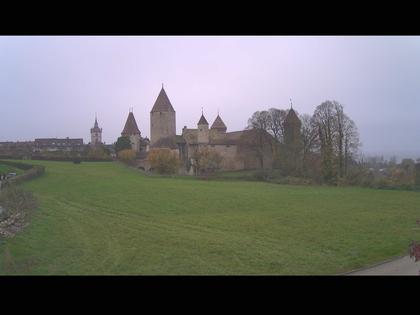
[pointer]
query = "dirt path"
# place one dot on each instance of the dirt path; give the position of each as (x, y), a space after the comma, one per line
(397, 267)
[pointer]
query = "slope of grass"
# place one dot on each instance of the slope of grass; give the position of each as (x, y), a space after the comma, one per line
(104, 218)
(5, 169)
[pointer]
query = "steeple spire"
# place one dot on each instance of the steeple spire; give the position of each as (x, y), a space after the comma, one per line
(96, 122)
(291, 104)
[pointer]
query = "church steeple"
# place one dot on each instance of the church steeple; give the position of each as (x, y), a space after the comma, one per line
(96, 122)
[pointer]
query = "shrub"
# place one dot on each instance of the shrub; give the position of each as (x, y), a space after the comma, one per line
(262, 175)
(98, 153)
(18, 205)
(127, 155)
(123, 143)
(14, 199)
(22, 166)
(77, 161)
(163, 161)
(417, 177)
(206, 161)
(31, 171)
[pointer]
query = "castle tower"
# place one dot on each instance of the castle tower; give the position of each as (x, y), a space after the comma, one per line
(95, 134)
(293, 143)
(162, 118)
(132, 132)
(219, 125)
(292, 129)
(203, 130)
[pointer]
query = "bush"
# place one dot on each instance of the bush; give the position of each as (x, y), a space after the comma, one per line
(22, 166)
(163, 161)
(262, 175)
(127, 155)
(97, 153)
(31, 171)
(206, 161)
(77, 161)
(417, 176)
(13, 199)
(123, 143)
(18, 205)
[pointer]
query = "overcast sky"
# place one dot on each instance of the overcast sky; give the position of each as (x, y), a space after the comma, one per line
(52, 86)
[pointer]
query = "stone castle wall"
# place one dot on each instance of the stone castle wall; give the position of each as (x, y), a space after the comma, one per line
(230, 160)
(135, 142)
(162, 124)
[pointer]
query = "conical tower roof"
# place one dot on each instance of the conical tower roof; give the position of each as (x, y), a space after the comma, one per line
(219, 124)
(292, 117)
(162, 104)
(202, 120)
(130, 127)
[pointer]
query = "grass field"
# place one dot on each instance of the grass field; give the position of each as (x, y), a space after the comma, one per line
(105, 218)
(5, 169)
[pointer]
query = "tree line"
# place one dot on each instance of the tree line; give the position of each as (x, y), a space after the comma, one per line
(322, 145)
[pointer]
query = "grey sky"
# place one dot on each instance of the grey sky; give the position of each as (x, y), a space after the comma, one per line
(52, 86)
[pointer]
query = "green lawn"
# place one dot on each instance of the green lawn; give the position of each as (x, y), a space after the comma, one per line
(5, 169)
(105, 218)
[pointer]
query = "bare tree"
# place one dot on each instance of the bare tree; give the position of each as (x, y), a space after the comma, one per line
(256, 143)
(276, 123)
(260, 120)
(351, 142)
(309, 137)
(338, 138)
(325, 123)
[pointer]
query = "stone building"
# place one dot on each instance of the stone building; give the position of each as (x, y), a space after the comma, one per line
(239, 149)
(95, 134)
(58, 144)
(131, 131)
(162, 118)
(293, 145)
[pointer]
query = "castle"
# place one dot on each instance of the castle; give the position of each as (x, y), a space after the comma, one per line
(237, 148)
